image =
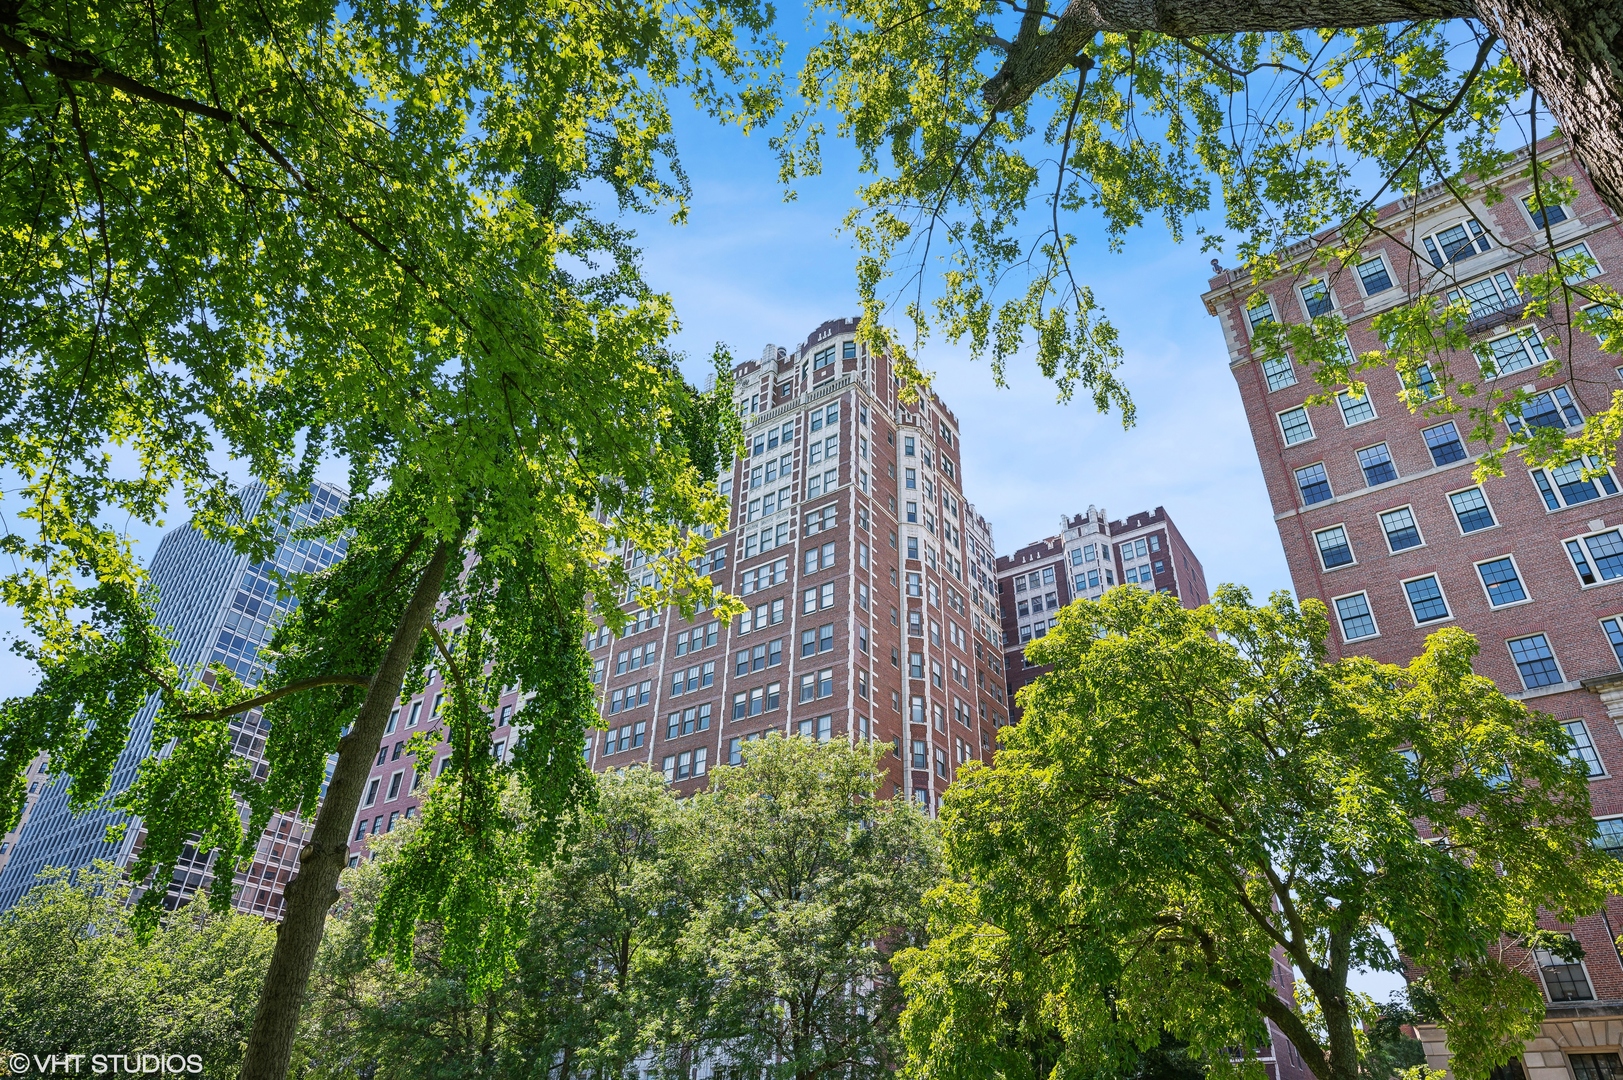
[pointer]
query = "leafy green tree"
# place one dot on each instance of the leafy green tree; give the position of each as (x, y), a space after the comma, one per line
(1390, 1051)
(995, 134)
(603, 973)
(598, 971)
(809, 882)
(76, 979)
(243, 237)
(369, 1016)
(1189, 790)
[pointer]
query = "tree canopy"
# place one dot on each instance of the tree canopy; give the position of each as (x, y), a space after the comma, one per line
(245, 238)
(76, 979)
(993, 134)
(1190, 793)
(748, 927)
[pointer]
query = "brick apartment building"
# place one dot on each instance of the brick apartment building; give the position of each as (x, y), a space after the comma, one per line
(870, 582)
(1088, 555)
(1381, 519)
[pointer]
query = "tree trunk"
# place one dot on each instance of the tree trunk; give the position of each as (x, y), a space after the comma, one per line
(314, 889)
(1571, 51)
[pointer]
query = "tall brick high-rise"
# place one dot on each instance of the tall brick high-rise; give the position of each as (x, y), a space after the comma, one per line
(870, 583)
(1381, 518)
(1088, 555)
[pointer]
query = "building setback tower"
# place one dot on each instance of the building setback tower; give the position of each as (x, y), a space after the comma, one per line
(1381, 518)
(1088, 555)
(218, 607)
(872, 613)
(866, 574)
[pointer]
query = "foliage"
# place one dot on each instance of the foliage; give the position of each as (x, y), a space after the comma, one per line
(653, 940)
(367, 1017)
(995, 134)
(74, 978)
(603, 974)
(1390, 1051)
(1189, 790)
(809, 882)
(243, 237)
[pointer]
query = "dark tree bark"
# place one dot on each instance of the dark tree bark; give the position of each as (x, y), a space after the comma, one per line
(314, 889)
(1571, 51)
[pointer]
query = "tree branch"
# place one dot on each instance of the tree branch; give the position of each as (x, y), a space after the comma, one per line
(1036, 57)
(274, 695)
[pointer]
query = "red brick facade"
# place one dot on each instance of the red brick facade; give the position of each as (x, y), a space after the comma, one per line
(1420, 544)
(1089, 555)
(869, 579)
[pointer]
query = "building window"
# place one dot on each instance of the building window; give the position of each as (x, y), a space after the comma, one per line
(1553, 408)
(1459, 242)
(1296, 426)
(819, 728)
(1535, 661)
(1499, 577)
(1372, 272)
(1566, 980)
(1579, 263)
(1316, 299)
(1422, 382)
(1583, 748)
(1259, 312)
(1426, 600)
(1401, 531)
(1566, 485)
(1355, 410)
(1471, 510)
(1376, 461)
(1598, 557)
(1444, 443)
(1609, 836)
(1596, 1066)
(1516, 352)
(1487, 296)
(1280, 373)
(1543, 216)
(1614, 634)
(1334, 550)
(1357, 621)
(1314, 484)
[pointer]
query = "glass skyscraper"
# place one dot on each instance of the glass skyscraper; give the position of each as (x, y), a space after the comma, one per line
(218, 607)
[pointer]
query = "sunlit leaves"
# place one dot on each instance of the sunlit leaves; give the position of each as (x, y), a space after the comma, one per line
(1190, 791)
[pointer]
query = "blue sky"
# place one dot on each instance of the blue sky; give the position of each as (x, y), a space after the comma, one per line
(750, 268)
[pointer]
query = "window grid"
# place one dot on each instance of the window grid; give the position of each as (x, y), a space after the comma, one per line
(1504, 585)
(1357, 621)
(1583, 747)
(1596, 1066)
(1598, 557)
(1444, 443)
(1314, 484)
(1334, 550)
(1426, 600)
(1373, 274)
(1471, 510)
(1279, 373)
(1535, 661)
(1376, 461)
(1355, 410)
(1566, 981)
(1295, 426)
(1401, 531)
